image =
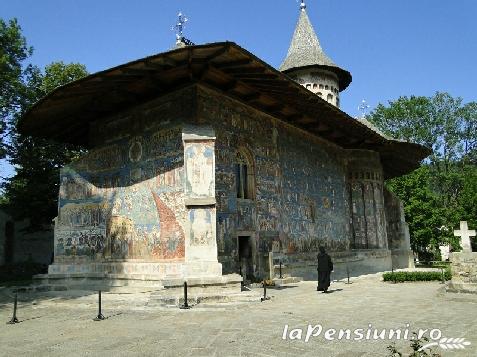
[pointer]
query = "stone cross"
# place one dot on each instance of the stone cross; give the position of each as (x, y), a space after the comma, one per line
(464, 233)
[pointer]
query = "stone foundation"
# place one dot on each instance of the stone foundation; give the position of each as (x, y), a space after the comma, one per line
(357, 262)
(159, 270)
(402, 258)
(132, 282)
(134, 276)
(464, 272)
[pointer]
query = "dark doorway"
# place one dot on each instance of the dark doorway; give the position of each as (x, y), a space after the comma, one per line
(245, 257)
(9, 235)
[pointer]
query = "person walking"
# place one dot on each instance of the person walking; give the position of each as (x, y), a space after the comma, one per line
(325, 267)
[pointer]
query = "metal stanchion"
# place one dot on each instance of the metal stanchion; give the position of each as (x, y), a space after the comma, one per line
(265, 297)
(281, 277)
(100, 316)
(14, 319)
(347, 273)
(185, 306)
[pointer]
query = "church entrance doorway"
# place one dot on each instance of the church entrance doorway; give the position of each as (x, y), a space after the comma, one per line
(245, 257)
(9, 235)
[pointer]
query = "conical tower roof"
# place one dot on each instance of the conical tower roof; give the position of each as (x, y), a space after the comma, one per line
(305, 51)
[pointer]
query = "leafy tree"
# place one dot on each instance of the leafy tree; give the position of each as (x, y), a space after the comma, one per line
(407, 119)
(446, 125)
(469, 130)
(32, 192)
(441, 193)
(13, 52)
(421, 206)
(440, 122)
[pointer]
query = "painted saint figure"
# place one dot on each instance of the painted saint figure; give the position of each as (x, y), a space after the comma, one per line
(325, 267)
(200, 170)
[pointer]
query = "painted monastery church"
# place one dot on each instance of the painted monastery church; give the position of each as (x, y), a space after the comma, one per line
(206, 161)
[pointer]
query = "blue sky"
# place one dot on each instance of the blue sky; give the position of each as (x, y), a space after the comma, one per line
(391, 47)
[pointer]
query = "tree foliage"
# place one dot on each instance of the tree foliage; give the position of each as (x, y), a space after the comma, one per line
(33, 190)
(444, 190)
(13, 52)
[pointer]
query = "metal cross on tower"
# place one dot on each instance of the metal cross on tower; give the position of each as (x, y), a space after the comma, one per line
(363, 108)
(180, 25)
(179, 29)
(302, 5)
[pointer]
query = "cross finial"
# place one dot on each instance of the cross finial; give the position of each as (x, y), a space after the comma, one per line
(179, 26)
(363, 108)
(302, 5)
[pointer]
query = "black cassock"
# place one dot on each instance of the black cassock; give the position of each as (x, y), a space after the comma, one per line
(325, 266)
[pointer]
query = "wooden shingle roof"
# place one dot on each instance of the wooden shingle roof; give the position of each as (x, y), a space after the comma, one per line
(64, 114)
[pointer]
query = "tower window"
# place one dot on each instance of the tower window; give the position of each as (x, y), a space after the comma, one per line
(315, 85)
(326, 87)
(330, 97)
(320, 94)
(308, 86)
(322, 86)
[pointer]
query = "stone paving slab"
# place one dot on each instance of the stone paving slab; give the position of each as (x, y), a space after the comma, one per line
(57, 326)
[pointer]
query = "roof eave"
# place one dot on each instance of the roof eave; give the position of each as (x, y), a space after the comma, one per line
(344, 77)
(225, 66)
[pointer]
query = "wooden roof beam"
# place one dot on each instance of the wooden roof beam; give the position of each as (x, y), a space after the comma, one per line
(276, 107)
(249, 70)
(251, 96)
(255, 76)
(236, 63)
(218, 53)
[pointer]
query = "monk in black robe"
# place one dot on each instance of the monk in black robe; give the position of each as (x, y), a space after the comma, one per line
(325, 267)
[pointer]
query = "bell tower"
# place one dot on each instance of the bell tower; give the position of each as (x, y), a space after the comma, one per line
(307, 63)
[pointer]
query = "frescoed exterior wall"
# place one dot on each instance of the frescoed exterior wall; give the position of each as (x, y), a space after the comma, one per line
(188, 187)
(124, 200)
(142, 200)
(301, 199)
(367, 200)
(125, 203)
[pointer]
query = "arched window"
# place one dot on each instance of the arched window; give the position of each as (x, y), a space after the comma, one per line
(315, 86)
(308, 86)
(330, 97)
(326, 87)
(244, 175)
(322, 86)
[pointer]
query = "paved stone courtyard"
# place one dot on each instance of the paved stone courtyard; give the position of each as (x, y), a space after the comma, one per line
(60, 326)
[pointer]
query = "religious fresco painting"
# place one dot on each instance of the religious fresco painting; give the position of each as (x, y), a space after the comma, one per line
(202, 226)
(199, 166)
(300, 199)
(125, 201)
